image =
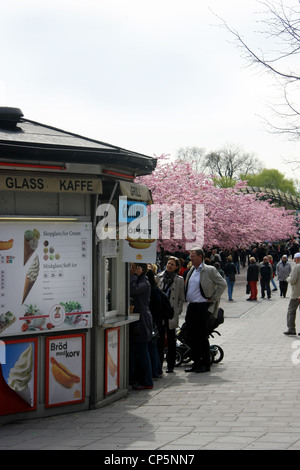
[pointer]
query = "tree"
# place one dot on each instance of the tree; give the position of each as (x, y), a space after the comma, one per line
(193, 155)
(272, 179)
(231, 219)
(230, 162)
(280, 58)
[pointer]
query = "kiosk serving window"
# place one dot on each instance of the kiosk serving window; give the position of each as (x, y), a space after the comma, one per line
(110, 286)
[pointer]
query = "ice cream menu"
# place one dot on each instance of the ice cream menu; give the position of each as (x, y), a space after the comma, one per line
(45, 277)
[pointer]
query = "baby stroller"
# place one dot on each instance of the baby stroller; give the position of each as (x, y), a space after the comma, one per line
(183, 351)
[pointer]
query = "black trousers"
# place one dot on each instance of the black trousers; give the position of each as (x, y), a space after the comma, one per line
(283, 285)
(196, 323)
(265, 285)
(171, 343)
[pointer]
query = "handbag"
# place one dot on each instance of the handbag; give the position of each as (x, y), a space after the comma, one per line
(248, 288)
(155, 334)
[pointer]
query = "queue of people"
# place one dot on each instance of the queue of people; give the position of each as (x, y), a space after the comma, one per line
(200, 281)
(202, 291)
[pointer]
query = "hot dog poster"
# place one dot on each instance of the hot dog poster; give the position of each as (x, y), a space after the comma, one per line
(45, 277)
(65, 370)
(112, 360)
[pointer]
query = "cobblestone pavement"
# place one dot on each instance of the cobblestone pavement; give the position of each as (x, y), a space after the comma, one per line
(250, 400)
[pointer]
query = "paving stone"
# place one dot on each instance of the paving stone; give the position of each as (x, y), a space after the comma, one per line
(249, 401)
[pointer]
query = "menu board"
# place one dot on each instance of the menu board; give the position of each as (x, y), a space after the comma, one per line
(45, 277)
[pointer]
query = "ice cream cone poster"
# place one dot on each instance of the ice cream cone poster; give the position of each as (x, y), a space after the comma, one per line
(45, 277)
(112, 360)
(65, 370)
(18, 377)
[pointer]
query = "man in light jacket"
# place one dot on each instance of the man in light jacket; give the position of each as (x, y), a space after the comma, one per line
(204, 287)
(283, 271)
(294, 281)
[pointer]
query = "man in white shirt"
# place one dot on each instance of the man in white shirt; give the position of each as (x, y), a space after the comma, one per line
(204, 287)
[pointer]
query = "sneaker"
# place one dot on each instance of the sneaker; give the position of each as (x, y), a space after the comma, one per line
(289, 333)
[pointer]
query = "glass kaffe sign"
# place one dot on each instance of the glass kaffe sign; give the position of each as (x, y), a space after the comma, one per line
(45, 277)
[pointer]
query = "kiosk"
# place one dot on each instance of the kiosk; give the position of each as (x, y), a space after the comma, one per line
(64, 293)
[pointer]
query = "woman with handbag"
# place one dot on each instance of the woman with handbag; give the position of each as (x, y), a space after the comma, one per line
(140, 369)
(252, 278)
(173, 285)
(155, 309)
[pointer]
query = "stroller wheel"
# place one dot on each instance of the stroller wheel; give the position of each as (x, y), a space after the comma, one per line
(178, 358)
(218, 353)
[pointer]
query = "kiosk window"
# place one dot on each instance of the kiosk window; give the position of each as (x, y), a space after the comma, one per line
(110, 285)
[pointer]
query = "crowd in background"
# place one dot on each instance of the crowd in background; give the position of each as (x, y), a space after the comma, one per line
(153, 333)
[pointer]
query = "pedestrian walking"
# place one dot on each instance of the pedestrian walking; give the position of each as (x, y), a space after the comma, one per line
(230, 272)
(271, 261)
(294, 281)
(283, 271)
(252, 278)
(265, 275)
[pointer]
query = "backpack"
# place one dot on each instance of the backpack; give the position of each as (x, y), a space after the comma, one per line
(167, 310)
(213, 323)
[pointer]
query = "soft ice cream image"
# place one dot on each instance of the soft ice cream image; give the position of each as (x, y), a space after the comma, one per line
(31, 277)
(31, 241)
(20, 374)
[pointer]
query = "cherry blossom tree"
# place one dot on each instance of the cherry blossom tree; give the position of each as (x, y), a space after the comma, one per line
(231, 219)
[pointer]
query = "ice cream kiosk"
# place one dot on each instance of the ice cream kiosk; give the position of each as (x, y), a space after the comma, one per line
(64, 292)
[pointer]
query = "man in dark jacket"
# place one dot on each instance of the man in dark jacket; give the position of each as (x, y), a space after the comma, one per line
(265, 275)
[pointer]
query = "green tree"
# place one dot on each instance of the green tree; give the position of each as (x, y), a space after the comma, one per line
(271, 178)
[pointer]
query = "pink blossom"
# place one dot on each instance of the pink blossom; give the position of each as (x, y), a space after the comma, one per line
(232, 219)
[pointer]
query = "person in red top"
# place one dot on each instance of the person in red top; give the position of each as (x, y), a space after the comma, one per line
(184, 267)
(273, 267)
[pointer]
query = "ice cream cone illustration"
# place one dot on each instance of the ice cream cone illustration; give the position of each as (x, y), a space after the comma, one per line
(31, 241)
(31, 277)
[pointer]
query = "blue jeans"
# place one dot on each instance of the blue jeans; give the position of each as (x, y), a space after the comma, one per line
(155, 360)
(230, 285)
(140, 369)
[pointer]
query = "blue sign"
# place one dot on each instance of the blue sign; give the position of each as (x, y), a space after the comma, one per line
(131, 210)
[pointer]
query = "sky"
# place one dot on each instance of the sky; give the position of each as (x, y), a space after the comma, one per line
(150, 77)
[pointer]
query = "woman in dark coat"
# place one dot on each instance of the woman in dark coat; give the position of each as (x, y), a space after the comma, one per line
(252, 278)
(155, 309)
(140, 369)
